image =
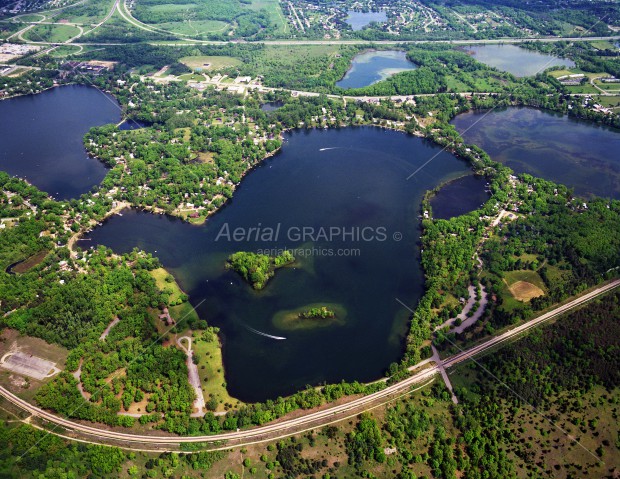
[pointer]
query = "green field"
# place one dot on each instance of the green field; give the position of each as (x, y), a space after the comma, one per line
(52, 33)
(214, 63)
(65, 51)
(194, 28)
(603, 45)
(166, 282)
(533, 277)
(211, 370)
(275, 13)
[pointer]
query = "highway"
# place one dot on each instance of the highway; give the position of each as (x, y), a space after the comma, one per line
(309, 420)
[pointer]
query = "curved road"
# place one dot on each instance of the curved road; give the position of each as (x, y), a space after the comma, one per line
(310, 419)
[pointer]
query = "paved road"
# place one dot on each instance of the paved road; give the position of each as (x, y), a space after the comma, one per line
(307, 421)
(349, 42)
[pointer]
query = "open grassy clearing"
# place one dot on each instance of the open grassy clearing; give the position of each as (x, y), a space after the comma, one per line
(208, 351)
(52, 33)
(275, 13)
(527, 275)
(195, 27)
(210, 62)
(603, 45)
(165, 282)
(65, 51)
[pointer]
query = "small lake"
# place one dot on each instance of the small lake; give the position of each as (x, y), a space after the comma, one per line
(272, 106)
(41, 138)
(459, 196)
(358, 20)
(516, 60)
(549, 145)
(348, 180)
(371, 67)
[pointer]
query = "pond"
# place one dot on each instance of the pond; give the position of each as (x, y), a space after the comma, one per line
(516, 60)
(371, 67)
(340, 199)
(459, 196)
(272, 106)
(41, 138)
(549, 145)
(358, 20)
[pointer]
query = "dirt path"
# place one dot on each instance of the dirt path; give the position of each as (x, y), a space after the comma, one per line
(114, 322)
(193, 377)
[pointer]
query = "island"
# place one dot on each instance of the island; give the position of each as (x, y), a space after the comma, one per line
(311, 316)
(258, 269)
(317, 313)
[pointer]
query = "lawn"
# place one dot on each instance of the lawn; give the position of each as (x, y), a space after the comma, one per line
(52, 33)
(194, 28)
(166, 282)
(275, 13)
(210, 62)
(602, 45)
(211, 369)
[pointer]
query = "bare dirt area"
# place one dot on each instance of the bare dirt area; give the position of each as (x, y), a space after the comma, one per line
(524, 291)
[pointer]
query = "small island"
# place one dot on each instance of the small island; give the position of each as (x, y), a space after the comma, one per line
(258, 269)
(311, 316)
(317, 313)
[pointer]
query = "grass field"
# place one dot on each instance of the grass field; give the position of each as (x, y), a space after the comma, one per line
(603, 45)
(165, 282)
(65, 51)
(192, 77)
(275, 13)
(214, 63)
(194, 28)
(211, 370)
(52, 33)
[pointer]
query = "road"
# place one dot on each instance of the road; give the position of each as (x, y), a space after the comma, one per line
(309, 420)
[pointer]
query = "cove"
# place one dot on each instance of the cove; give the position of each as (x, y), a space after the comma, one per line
(371, 67)
(347, 179)
(576, 153)
(459, 196)
(41, 138)
(516, 60)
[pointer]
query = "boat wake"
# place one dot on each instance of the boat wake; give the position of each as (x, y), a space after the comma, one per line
(332, 148)
(256, 331)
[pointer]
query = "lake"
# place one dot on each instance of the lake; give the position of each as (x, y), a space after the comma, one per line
(371, 67)
(549, 145)
(459, 196)
(358, 20)
(41, 138)
(350, 180)
(516, 60)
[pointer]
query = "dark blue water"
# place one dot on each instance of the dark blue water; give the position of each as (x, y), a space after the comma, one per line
(374, 66)
(579, 154)
(459, 196)
(338, 180)
(41, 138)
